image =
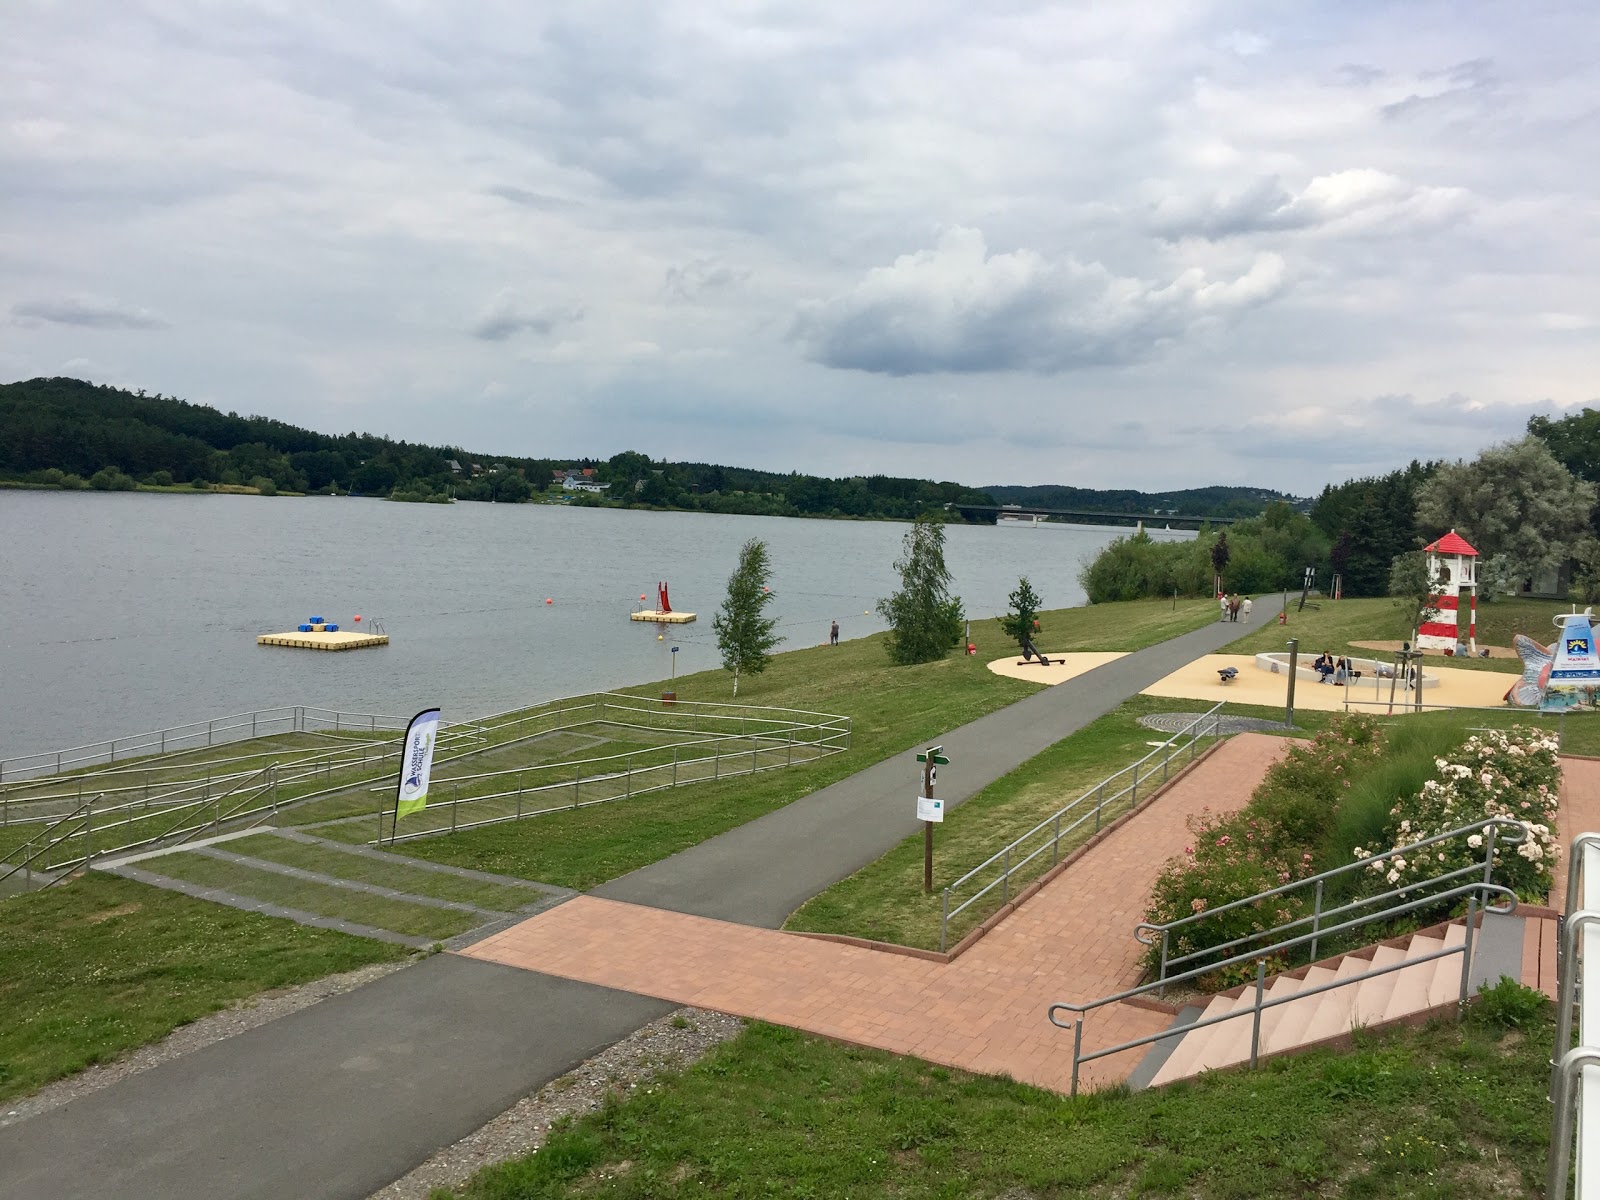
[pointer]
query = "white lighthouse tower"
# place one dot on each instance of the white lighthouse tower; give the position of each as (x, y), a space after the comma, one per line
(1453, 565)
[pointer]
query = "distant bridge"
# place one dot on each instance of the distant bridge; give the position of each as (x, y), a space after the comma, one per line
(1093, 518)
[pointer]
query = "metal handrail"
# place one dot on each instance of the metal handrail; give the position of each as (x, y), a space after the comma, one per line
(1566, 1071)
(1148, 932)
(1472, 891)
(1566, 1060)
(1004, 855)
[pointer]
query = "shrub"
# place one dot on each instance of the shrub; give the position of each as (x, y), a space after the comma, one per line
(159, 478)
(1230, 858)
(200, 485)
(1509, 1004)
(110, 479)
(1513, 774)
(264, 485)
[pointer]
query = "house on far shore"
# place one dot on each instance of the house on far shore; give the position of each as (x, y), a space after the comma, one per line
(455, 467)
(577, 483)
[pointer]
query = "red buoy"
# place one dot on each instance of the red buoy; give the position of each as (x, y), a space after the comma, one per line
(547, 600)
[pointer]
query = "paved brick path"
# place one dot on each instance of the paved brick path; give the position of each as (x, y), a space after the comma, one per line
(1580, 813)
(984, 1012)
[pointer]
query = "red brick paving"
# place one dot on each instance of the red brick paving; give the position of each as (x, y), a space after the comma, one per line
(985, 1011)
(1580, 813)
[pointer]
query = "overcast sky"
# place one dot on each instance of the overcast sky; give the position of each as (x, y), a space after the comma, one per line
(1133, 245)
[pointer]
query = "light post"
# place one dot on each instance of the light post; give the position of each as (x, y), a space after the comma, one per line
(1294, 671)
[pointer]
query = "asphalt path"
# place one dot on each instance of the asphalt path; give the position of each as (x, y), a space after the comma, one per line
(337, 1100)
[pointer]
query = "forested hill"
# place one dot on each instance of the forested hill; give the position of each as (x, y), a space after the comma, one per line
(1199, 502)
(69, 433)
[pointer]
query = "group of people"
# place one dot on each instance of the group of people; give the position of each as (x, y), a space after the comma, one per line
(1338, 669)
(1233, 606)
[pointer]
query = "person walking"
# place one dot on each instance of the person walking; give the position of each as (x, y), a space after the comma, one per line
(1247, 608)
(833, 634)
(1222, 598)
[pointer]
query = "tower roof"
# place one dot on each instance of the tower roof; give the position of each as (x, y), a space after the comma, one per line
(1452, 543)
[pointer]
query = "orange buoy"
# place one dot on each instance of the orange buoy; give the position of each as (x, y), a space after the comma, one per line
(641, 595)
(547, 600)
(358, 618)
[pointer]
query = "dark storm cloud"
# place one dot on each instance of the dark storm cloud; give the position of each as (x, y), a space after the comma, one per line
(87, 313)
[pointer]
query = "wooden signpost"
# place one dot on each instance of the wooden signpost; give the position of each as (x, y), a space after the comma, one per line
(929, 810)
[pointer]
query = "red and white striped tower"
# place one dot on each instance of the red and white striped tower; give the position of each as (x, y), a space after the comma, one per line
(1454, 563)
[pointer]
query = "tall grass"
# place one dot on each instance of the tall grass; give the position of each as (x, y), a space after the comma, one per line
(1362, 812)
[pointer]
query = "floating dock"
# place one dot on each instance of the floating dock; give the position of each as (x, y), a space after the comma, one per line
(664, 618)
(323, 640)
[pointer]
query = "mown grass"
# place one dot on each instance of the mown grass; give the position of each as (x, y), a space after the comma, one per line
(1440, 1113)
(391, 872)
(322, 899)
(97, 966)
(1337, 625)
(891, 709)
(885, 901)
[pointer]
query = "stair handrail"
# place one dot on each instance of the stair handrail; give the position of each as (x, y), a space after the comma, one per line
(42, 843)
(1009, 856)
(1508, 831)
(1567, 1062)
(1473, 892)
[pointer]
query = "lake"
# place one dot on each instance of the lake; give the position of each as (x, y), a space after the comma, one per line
(121, 613)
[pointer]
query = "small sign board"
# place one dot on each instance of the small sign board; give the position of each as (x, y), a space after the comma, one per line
(930, 809)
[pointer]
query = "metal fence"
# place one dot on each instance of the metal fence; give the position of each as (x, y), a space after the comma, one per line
(1018, 857)
(95, 830)
(1575, 1070)
(701, 742)
(193, 736)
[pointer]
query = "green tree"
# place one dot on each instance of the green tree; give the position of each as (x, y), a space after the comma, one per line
(1220, 554)
(1520, 508)
(1018, 623)
(924, 619)
(1414, 589)
(745, 635)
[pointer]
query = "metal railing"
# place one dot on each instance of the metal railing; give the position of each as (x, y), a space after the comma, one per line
(88, 833)
(755, 740)
(1489, 829)
(1512, 833)
(1016, 857)
(192, 736)
(1574, 1087)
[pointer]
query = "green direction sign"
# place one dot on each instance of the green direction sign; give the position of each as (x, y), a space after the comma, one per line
(934, 754)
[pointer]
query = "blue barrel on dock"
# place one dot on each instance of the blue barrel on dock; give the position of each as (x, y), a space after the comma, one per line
(316, 620)
(305, 629)
(332, 628)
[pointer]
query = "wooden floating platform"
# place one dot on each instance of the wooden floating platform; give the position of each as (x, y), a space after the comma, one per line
(342, 640)
(664, 618)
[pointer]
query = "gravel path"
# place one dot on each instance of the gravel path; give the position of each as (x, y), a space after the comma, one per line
(671, 1043)
(257, 1010)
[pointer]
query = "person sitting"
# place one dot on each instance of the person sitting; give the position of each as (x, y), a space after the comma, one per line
(1341, 671)
(1323, 666)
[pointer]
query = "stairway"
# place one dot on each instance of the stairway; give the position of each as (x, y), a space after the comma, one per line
(1392, 997)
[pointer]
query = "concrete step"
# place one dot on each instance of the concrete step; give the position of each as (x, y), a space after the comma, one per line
(1372, 996)
(1187, 1059)
(1291, 1019)
(1332, 1015)
(1410, 992)
(1445, 985)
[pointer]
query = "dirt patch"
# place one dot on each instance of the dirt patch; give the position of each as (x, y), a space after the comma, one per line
(122, 910)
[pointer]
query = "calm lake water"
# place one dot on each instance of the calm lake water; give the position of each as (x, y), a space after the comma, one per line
(121, 613)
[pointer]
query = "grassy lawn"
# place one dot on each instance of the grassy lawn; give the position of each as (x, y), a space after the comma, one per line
(1336, 625)
(884, 901)
(95, 967)
(1445, 1112)
(320, 898)
(392, 873)
(891, 709)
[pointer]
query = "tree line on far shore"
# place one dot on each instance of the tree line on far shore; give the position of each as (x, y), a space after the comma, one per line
(1527, 506)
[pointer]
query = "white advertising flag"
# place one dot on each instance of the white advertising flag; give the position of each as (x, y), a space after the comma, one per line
(416, 763)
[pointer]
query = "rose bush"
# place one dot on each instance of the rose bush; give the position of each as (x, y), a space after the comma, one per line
(1512, 773)
(1267, 843)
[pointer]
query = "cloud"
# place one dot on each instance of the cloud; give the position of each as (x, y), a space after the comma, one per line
(685, 281)
(86, 313)
(1358, 200)
(958, 308)
(504, 317)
